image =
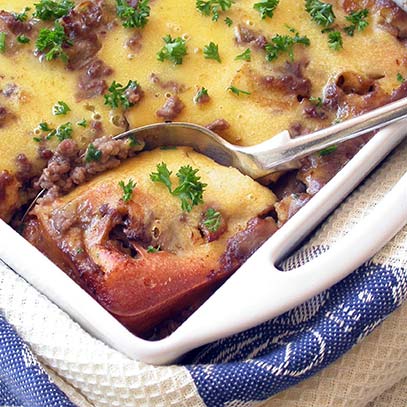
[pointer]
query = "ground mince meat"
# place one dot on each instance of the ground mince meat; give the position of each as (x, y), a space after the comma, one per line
(244, 35)
(173, 106)
(171, 86)
(91, 81)
(8, 22)
(134, 42)
(134, 94)
(201, 98)
(5, 180)
(24, 168)
(290, 81)
(68, 168)
(218, 125)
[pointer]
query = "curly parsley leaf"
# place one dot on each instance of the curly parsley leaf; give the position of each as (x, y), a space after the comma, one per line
(83, 123)
(162, 176)
(266, 8)
(117, 96)
(60, 109)
(358, 21)
(92, 154)
(211, 51)
(322, 13)
(128, 189)
(190, 189)
(213, 7)
(51, 42)
(133, 16)
(212, 220)
(317, 101)
(281, 44)
(64, 131)
(174, 50)
(335, 41)
(238, 91)
(52, 10)
(245, 56)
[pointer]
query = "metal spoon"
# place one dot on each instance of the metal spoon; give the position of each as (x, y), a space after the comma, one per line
(281, 152)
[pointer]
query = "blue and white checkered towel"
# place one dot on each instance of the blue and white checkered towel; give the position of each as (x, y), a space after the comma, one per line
(237, 371)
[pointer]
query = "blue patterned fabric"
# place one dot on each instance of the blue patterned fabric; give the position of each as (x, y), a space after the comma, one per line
(255, 364)
(265, 360)
(23, 383)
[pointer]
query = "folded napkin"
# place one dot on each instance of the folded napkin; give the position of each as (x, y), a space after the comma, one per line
(42, 351)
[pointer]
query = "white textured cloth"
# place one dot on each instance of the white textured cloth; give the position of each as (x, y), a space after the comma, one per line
(92, 374)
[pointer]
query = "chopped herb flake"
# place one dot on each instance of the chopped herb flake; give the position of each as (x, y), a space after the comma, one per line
(52, 10)
(133, 141)
(400, 78)
(174, 50)
(60, 109)
(151, 249)
(92, 154)
(127, 189)
(23, 39)
(2, 42)
(266, 8)
(238, 91)
(45, 127)
(201, 95)
(83, 123)
(328, 150)
(64, 131)
(317, 101)
(211, 51)
(228, 21)
(335, 40)
(133, 16)
(245, 56)
(213, 7)
(23, 16)
(212, 220)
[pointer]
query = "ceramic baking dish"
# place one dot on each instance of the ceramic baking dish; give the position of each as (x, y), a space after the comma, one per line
(258, 291)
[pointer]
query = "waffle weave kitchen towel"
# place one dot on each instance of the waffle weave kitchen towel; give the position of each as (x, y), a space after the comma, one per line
(284, 361)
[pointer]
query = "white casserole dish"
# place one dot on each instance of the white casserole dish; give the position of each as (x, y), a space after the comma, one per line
(257, 291)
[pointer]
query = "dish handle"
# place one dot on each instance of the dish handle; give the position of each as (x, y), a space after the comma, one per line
(259, 291)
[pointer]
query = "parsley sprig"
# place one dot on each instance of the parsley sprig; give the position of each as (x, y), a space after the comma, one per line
(212, 220)
(266, 8)
(117, 95)
(128, 189)
(23, 39)
(152, 249)
(52, 10)
(51, 42)
(133, 17)
(281, 44)
(60, 109)
(211, 51)
(322, 13)
(213, 7)
(174, 50)
(189, 190)
(358, 21)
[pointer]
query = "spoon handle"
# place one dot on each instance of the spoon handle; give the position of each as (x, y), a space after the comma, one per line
(278, 152)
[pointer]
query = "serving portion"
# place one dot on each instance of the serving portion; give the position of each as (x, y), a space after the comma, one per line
(151, 234)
